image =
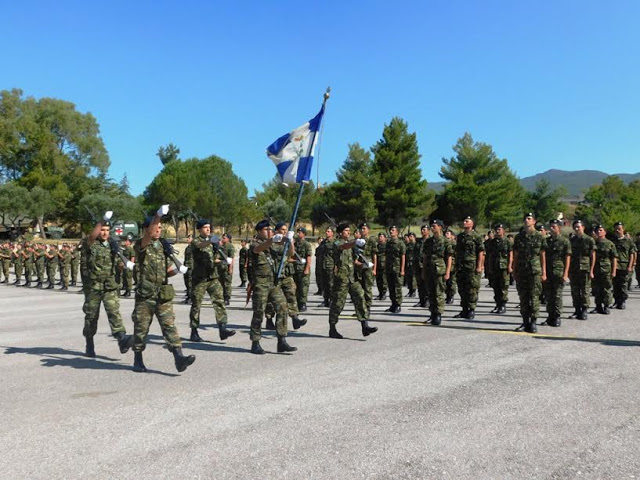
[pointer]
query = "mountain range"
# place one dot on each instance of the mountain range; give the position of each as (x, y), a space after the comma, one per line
(575, 182)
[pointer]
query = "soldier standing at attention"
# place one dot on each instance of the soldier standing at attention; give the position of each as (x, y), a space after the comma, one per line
(469, 264)
(418, 264)
(583, 259)
(488, 260)
(542, 228)
(265, 290)
(451, 284)
(319, 259)
(188, 262)
(637, 264)
(626, 258)
(302, 268)
(65, 266)
(205, 278)
(381, 267)
(29, 266)
(395, 268)
(530, 270)
(604, 271)
(51, 262)
(327, 266)
(5, 257)
(437, 252)
(154, 294)
(18, 263)
(242, 263)
(75, 263)
(410, 278)
(501, 260)
(345, 283)
(101, 287)
(367, 272)
(39, 258)
(558, 257)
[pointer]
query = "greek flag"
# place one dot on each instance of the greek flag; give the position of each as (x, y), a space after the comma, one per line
(293, 153)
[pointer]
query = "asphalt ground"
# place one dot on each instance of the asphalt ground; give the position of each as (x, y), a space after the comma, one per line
(468, 399)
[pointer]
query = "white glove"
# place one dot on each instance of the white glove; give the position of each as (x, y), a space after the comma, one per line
(290, 236)
(303, 261)
(229, 260)
(370, 264)
(183, 269)
(107, 216)
(361, 242)
(163, 210)
(277, 238)
(130, 265)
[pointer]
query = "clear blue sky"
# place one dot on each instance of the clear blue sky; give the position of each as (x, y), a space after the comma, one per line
(550, 84)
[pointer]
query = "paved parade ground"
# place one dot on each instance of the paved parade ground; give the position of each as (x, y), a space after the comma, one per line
(468, 399)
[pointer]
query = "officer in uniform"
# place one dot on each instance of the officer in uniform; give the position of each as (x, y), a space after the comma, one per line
(500, 259)
(188, 262)
(451, 285)
(302, 267)
(154, 294)
(327, 266)
(395, 268)
(242, 263)
(437, 253)
(488, 260)
(626, 258)
(418, 265)
(583, 259)
(469, 265)
(381, 267)
(265, 289)
(345, 283)
(558, 258)
(365, 265)
(542, 228)
(101, 287)
(604, 271)
(206, 279)
(530, 270)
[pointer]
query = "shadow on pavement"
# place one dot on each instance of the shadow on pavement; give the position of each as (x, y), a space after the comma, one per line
(604, 341)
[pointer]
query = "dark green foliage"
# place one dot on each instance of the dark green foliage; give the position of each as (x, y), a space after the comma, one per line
(610, 202)
(544, 202)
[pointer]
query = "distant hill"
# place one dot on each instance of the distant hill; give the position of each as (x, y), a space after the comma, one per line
(576, 182)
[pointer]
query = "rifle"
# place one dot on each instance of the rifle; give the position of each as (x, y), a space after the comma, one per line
(299, 260)
(116, 248)
(358, 251)
(170, 252)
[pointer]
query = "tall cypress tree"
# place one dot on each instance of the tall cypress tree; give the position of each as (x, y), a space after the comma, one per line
(400, 191)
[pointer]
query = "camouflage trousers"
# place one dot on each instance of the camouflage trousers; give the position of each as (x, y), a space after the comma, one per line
(215, 291)
(580, 288)
(64, 274)
(225, 280)
(74, 271)
(243, 274)
(327, 283)
(263, 293)
(468, 286)
(6, 267)
(91, 309)
(381, 281)
(52, 269)
(366, 281)
(452, 286)
(126, 280)
(603, 289)
(142, 317)
(302, 287)
(18, 269)
(435, 288)
(394, 281)
(409, 278)
(553, 294)
(40, 271)
(29, 269)
(620, 285)
(342, 287)
(319, 277)
(423, 293)
(188, 283)
(288, 287)
(529, 286)
(500, 285)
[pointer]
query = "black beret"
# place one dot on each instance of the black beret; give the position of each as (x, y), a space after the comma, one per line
(106, 224)
(598, 227)
(618, 224)
(279, 225)
(540, 227)
(262, 224)
(499, 225)
(202, 222)
(424, 226)
(228, 235)
(469, 217)
(577, 222)
(555, 222)
(147, 221)
(435, 221)
(527, 215)
(363, 224)
(302, 229)
(392, 227)
(342, 226)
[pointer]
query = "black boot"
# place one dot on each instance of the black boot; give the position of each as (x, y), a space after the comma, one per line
(39, 285)
(449, 300)
(502, 309)
(224, 333)
(138, 364)
(125, 342)
(127, 293)
(575, 313)
(73, 283)
(531, 326)
(436, 319)
(283, 346)
(64, 287)
(462, 314)
(605, 310)
(226, 301)
(471, 314)
(582, 313)
(297, 322)
(186, 300)
(392, 308)
(333, 333)
(524, 326)
(195, 336)
(182, 362)
(51, 286)
(269, 325)
(90, 350)
(366, 329)
(256, 348)
(621, 305)
(303, 307)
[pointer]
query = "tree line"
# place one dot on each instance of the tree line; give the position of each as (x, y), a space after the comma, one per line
(54, 165)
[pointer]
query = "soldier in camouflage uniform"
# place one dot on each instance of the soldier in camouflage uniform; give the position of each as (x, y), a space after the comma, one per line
(381, 267)
(365, 265)
(265, 289)
(102, 287)
(542, 228)
(29, 265)
(319, 260)
(395, 268)
(500, 261)
(469, 264)
(451, 285)
(206, 279)
(5, 258)
(242, 263)
(488, 260)
(558, 258)
(39, 260)
(127, 275)
(637, 264)
(327, 266)
(421, 283)
(227, 252)
(188, 262)
(345, 283)
(18, 263)
(51, 262)
(530, 270)
(409, 269)
(626, 258)
(583, 259)
(302, 268)
(604, 271)
(65, 266)
(75, 263)
(437, 252)
(154, 294)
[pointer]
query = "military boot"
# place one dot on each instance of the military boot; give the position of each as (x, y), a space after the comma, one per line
(195, 336)
(256, 348)
(90, 350)
(125, 342)
(582, 313)
(224, 332)
(462, 314)
(471, 314)
(269, 325)
(73, 283)
(39, 285)
(333, 332)
(449, 300)
(524, 326)
(138, 364)
(366, 329)
(503, 308)
(182, 362)
(127, 293)
(303, 307)
(297, 322)
(605, 310)
(51, 286)
(436, 319)
(531, 326)
(226, 301)
(283, 346)
(64, 287)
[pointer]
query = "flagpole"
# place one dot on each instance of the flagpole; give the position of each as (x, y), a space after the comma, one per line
(297, 205)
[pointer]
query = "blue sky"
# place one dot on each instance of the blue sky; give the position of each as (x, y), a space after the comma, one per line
(550, 84)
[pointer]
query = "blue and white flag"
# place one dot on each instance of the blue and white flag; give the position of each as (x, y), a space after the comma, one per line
(293, 153)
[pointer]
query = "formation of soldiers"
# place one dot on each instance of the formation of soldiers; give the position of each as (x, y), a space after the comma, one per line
(540, 260)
